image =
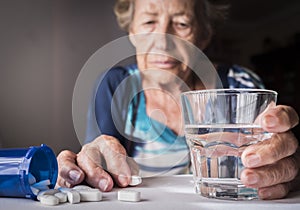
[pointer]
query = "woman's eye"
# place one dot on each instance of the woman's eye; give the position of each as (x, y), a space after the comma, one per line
(182, 25)
(150, 22)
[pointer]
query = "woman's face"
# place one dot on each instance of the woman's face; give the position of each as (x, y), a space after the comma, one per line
(152, 29)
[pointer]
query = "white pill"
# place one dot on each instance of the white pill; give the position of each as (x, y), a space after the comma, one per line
(90, 195)
(135, 180)
(34, 190)
(73, 196)
(64, 189)
(31, 179)
(81, 187)
(47, 192)
(49, 200)
(129, 195)
(62, 197)
(42, 185)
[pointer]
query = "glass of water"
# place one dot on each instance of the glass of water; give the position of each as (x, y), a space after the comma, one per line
(219, 125)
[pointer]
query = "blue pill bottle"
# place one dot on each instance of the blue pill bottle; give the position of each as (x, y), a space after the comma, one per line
(16, 164)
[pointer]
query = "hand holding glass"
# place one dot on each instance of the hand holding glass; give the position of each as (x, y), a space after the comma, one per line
(219, 125)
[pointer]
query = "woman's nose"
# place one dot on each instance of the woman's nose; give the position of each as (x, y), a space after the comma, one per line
(163, 39)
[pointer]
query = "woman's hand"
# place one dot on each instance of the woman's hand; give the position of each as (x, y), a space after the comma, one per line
(69, 174)
(100, 163)
(273, 164)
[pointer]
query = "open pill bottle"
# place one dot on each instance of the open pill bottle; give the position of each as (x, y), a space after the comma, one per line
(17, 164)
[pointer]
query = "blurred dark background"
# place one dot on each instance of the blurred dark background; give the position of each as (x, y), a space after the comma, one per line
(45, 43)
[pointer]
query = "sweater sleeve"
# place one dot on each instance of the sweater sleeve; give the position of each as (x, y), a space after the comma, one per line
(99, 118)
(240, 77)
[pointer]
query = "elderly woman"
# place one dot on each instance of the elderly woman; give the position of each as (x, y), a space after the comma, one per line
(146, 133)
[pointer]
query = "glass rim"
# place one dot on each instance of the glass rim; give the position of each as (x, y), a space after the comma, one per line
(231, 91)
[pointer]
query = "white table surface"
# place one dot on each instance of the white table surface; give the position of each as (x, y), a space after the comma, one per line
(172, 192)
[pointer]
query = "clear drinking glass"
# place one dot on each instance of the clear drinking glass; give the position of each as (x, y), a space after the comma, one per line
(219, 125)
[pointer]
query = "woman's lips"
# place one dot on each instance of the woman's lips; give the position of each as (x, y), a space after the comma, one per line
(165, 64)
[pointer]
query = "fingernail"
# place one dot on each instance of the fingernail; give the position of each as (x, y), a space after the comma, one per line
(103, 184)
(123, 180)
(252, 160)
(74, 175)
(251, 179)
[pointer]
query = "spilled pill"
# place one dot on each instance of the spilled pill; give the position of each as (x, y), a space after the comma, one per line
(46, 192)
(135, 180)
(64, 189)
(42, 185)
(129, 195)
(73, 196)
(81, 187)
(90, 195)
(62, 197)
(34, 190)
(49, 200)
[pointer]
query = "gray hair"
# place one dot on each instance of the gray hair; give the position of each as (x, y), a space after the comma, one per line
(209, 14)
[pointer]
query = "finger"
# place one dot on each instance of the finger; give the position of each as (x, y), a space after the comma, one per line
(280, 119)
(271, 150)
(283, 171)
(69, 173)
(89, 159)
(274, 192)
(115, 155)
